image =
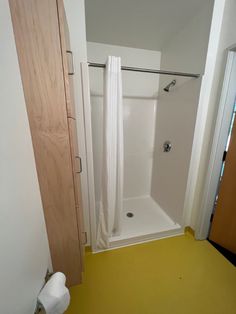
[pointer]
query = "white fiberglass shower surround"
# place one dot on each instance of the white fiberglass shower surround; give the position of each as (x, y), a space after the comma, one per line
(160, 35)
(153, 205)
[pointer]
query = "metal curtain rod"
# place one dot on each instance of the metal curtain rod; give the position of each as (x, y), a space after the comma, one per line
(125, 68)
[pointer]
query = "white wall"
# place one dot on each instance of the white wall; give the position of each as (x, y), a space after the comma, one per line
(139, 24)
(227, 40)
(23, 241)
(176, 113)
(139, 105)
(75, 14)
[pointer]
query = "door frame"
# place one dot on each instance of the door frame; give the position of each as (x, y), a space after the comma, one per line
(226, 105)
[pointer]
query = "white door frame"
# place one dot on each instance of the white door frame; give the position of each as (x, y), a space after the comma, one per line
(223, 121)
(202, 113)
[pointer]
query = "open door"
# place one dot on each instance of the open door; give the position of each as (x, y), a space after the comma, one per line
(223, 228)
(46, 64)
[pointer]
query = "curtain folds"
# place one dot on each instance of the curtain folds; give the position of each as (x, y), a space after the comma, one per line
(111, 205)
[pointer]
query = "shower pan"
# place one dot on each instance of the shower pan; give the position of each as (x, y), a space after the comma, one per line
(148, 221)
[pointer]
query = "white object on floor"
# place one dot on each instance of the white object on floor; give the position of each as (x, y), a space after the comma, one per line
(149, 222)
(109, 221)
(54, 296)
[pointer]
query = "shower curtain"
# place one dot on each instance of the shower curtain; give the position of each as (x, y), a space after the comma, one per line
(111, 205)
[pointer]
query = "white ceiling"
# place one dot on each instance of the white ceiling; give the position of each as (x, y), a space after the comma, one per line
(146, 24)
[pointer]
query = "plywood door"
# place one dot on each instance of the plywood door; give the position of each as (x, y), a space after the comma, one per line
(223, 229)
(37, 35)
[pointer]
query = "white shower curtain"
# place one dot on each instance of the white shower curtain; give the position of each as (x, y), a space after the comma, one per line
(111, 205)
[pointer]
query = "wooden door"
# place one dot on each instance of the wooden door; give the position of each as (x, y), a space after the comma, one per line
(223, 228)
(38, 41)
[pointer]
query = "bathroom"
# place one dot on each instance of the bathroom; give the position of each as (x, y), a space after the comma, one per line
(64, 248)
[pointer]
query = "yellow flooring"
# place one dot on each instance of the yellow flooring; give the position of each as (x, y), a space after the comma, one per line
(171, 276)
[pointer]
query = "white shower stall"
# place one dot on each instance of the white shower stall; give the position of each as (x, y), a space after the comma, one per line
(142, 217)
(155, 181)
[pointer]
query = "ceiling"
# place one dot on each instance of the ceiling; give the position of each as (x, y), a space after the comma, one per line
(146, 24)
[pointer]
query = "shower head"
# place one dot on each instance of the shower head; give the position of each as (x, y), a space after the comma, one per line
(167, 88)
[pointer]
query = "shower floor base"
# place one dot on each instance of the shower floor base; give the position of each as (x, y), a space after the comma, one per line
(147, 222)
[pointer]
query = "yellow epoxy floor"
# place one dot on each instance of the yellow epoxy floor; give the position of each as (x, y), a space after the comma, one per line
(171, 276)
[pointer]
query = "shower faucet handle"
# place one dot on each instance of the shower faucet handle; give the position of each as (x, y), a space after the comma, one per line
(167, 146)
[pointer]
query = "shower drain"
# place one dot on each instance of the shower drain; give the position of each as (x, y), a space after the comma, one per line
(130, 215)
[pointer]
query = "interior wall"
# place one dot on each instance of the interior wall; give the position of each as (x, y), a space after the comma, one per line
(139, 104)
(24, 247)
(138, 24)
(226, 41)
(176, 113)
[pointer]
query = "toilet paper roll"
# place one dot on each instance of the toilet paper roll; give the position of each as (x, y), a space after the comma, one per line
(54, 296)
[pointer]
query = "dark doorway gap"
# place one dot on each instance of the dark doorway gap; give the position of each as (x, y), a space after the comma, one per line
(231, 257)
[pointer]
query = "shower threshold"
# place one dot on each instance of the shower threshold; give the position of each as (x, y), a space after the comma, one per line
(144, 220)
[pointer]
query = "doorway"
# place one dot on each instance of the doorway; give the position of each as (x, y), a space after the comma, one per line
(218, 199)
(224, 210)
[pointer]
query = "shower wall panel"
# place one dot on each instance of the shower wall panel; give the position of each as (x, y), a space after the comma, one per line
(176, 113)
(139, 127)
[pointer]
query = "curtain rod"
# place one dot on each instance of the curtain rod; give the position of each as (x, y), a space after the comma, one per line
(125, 68)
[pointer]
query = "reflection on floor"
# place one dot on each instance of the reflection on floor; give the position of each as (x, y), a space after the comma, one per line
(177, 275)
(147, 221)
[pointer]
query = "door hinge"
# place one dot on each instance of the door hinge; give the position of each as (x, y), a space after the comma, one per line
(85, 238)
(224, 155)
(212, 216)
